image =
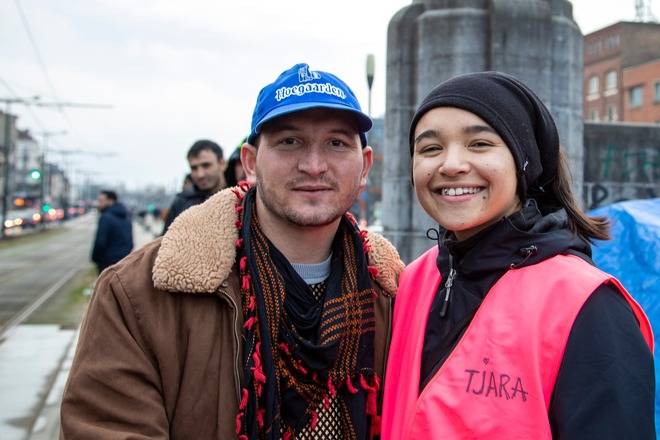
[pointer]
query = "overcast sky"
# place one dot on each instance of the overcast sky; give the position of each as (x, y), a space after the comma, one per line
(178, 71)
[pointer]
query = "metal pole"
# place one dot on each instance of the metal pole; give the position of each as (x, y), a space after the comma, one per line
(6, 171)
(370, 76)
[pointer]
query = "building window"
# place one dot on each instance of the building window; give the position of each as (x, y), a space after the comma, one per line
(593, 115)
(635, 97)
(657, 92)
(612, 114)
(610, 80)
(593, 86)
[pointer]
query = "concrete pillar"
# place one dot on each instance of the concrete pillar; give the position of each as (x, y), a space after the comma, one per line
(430, 41)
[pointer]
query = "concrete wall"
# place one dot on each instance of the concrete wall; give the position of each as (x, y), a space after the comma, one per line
(622, 163)
(430, 41)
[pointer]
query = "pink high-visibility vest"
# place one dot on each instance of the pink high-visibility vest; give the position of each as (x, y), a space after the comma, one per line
(498, 381)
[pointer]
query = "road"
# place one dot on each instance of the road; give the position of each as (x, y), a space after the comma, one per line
(31, 269)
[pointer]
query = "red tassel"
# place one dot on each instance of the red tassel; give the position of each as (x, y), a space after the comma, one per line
(314, 376)
(372, 396)
(250, 322)
(314, 421)
(326, 402)
(284, 348)
(245, 285)
(366, 247)
(242, 264)
(373, 270)
(243, 437)
(253, 303)
(375, 426)
(238, 208)
(351, 218)
(237, 193)
(239, 416)
(287, 435)
(244, 400)
(260, 418)
(244, 185)
(331, 387)
(299, 367)
(238, 224)
(239, 243)
(364, 234)
(349, 386)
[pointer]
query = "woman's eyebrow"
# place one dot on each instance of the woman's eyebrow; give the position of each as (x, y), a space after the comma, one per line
(474, 129)
(426, 134)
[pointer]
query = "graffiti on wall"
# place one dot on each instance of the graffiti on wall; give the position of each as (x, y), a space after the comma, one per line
(621, 174)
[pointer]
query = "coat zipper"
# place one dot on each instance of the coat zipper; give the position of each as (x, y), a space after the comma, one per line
(237, 341)
(448, 284)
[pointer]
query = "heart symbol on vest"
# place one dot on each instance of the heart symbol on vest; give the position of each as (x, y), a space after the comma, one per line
(486, 360)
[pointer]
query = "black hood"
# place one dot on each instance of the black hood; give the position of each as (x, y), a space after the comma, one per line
(117, 209)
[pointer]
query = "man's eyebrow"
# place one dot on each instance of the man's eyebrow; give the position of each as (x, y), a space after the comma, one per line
(474, 129)
(427, 134)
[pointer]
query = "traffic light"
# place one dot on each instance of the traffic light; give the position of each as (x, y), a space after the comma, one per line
(45, 207)
(35, 174)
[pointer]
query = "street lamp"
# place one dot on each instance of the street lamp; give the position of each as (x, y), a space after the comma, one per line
(370, 76)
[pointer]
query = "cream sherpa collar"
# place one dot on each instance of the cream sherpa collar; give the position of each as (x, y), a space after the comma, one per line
(199, 250)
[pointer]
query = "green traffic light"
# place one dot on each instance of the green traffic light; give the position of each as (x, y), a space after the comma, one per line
(45, 207)
(35, 174)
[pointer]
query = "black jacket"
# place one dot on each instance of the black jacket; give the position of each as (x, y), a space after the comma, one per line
(182, 201)
(114, 236)
(605, 386)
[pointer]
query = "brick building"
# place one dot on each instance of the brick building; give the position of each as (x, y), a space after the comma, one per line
(622, 73)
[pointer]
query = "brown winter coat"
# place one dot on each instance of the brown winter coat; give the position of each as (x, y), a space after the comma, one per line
(160, 348)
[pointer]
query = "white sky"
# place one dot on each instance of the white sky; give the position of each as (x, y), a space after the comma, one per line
(178, 71)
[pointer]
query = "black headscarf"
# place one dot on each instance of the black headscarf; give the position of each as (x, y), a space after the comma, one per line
(515, 113)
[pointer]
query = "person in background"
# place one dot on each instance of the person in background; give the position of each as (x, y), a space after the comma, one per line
(506, 329)
(187, 184)
(114, 234)
(234, 172)
(207, 165)
(263, 313)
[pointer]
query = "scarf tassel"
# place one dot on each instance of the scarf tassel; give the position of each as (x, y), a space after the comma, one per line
(242, 264)
(287, 435)
(250, 322)
(314, 420)
(373, 271)
(252, 304)
(349, 386)
(239, 243)
(260, 418)
(372, 395)
(331, 388)
(245, 282)
(238, 194)
(244, 185)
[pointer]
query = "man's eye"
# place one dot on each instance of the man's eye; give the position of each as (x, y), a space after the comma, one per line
(289, 141)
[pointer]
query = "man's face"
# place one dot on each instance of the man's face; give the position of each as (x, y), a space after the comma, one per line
(206, 170)
(308, 167)
(103, 202)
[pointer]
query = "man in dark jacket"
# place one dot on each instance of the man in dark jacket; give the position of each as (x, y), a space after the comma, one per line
(207, 165)
(114, 236)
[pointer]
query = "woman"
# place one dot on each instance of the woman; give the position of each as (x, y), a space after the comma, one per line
(506, 330)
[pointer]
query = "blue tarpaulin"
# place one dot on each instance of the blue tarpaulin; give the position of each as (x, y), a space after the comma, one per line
(633, 256)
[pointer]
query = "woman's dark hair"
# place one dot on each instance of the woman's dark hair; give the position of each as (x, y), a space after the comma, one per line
(559, 195)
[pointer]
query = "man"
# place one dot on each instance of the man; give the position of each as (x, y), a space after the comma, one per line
(262, 313)
(207, 165)
(114, 234)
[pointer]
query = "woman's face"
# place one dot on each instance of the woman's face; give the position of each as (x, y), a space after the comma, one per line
(464, 173)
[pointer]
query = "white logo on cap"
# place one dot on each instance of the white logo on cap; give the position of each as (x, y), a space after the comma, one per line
(304, 74)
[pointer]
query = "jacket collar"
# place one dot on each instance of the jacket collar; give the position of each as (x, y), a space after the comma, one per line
(199, 249)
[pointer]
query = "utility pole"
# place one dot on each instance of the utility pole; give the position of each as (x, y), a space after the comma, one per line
(43, 165)
(6, 168)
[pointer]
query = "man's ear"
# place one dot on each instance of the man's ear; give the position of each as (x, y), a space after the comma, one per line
(367, 162)
(249, 162)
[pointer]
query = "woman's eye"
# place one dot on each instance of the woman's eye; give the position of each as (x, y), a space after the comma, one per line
(433, 148)
(481, 144)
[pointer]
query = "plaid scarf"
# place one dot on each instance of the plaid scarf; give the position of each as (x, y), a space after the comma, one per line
(300, 353)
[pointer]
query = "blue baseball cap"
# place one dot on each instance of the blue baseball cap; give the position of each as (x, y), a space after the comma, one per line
(300, 88)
